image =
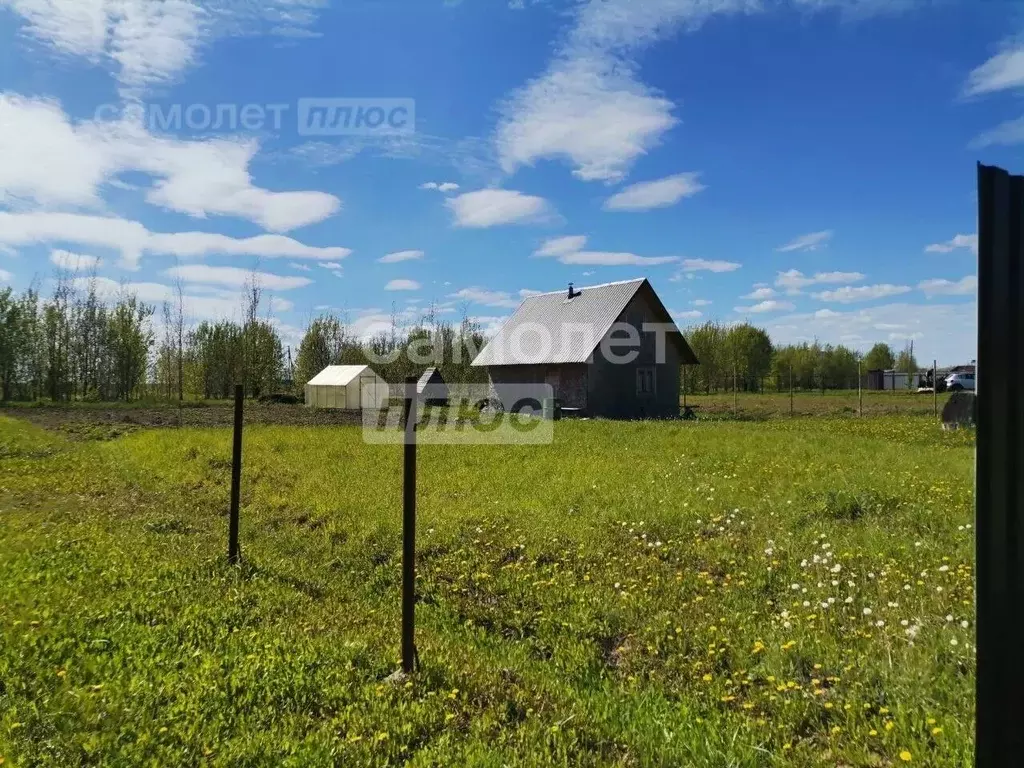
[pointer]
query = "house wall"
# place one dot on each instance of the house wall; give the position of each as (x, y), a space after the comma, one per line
(568, 380)
(325, 396)
(612, 386)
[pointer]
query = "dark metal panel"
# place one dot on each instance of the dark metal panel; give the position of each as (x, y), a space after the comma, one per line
(1000, 470)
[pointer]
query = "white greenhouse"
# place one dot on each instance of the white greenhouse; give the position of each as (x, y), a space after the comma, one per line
(355, 387)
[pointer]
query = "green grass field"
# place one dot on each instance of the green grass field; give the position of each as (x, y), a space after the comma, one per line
(776, 593)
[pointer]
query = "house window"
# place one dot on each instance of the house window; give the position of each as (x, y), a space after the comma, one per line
(645, 381)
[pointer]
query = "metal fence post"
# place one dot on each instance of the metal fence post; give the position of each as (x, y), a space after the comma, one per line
(234, 551)
(860, 391)
(409, 530)
(790, 389)
(935, 387)
(999, 470)
(735, 393)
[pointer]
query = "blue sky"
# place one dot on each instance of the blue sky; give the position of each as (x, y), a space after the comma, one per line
(808, 165)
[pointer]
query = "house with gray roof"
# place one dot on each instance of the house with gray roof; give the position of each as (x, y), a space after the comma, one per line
(608, 350)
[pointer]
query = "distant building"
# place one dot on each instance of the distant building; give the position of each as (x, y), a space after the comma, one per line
(353, 387)
(894, 380)
(431, 389)
(570, 339)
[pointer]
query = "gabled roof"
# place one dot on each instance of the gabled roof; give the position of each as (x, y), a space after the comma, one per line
(339, 375)
(552, 328)
(432, 378)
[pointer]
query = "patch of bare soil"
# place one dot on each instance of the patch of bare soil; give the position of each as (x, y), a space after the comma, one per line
(98, 421)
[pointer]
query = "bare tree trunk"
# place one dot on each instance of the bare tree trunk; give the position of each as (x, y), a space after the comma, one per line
(179, 327)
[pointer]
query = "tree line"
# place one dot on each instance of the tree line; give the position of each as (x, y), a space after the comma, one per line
(79, 344)
(743, 357)
(73, 345)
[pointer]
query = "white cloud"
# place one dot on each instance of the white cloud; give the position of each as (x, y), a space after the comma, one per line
(970, 242)
(589, 108)
(492, 207)
(524, 292)
(1004, 70)
(760, 293)
(301, 267)
(132, 239)
(766, 306)
(613, 259)
(235, 277)
(402, 285)
(701, 302)
(569, 250)
(488, 298)
(685, 314)
(709, 265)
(149, 42)
(585, 111)
(654, 194)
(6, 277)
(399, 256)
(1005, 134)
(559, 246)
(838, 277)
(329, 265)
(442, 186)
(966, 286)
(947, 332)
(849, 293)
(793, 281)
(46, 159)
(73, 262)
(215, 305)
(812, 241)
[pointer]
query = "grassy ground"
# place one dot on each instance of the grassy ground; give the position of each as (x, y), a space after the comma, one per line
(786, 593)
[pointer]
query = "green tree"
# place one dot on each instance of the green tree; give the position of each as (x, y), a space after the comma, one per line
(839, 367)
(708, 343)
(749, 349)
(130, 339)
(879, 358)
(12, 342)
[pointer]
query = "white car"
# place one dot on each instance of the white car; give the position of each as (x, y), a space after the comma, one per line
(958, 382)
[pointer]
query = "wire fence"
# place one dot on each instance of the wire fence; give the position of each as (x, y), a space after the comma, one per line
(796, 403)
